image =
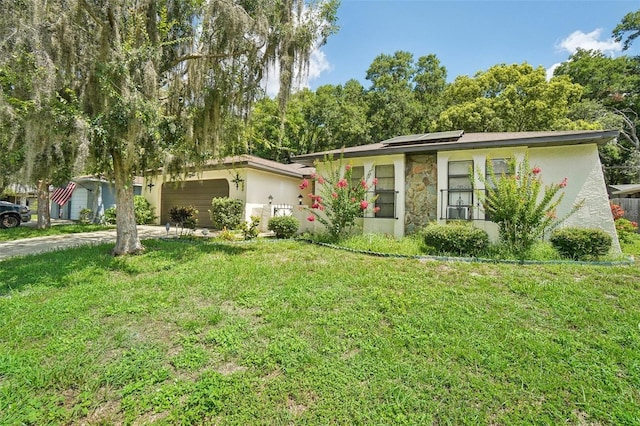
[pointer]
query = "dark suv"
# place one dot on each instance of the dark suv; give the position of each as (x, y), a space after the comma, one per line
(11, 215)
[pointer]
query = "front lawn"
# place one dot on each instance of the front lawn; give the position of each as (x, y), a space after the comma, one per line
(413, 245)
(291, 333)
(23, 231)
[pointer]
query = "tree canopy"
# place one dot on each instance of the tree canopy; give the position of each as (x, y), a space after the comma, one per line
(629, 27)
(165, 82)
(510, 98)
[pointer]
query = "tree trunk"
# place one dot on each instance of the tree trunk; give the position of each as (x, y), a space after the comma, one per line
(127, 241)
(44, 214)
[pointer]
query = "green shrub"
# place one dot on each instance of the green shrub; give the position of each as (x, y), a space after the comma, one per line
(456, 239)
(86, 215)
(109, 216)
(250, 229)
(227, 235)
(143, 210)
(581, 243)
(226, 212)
(522, 206)
(183, 216)
(626, 229)
(283, 226)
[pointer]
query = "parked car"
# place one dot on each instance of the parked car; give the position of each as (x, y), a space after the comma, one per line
(11, 215)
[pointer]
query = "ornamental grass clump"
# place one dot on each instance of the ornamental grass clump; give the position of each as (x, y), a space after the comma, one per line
(339, 200)
(521, 205)
(184, 217)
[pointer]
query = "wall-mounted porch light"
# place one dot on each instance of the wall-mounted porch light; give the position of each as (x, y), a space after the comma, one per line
(270, 198)
(300, 197)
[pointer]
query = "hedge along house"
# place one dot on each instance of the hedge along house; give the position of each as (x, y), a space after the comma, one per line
(425, 178)
(263, 185)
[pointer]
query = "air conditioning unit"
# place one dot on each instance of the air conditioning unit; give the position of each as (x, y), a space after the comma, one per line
(460, 213)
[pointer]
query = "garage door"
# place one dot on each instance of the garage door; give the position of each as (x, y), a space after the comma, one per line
(193, 193)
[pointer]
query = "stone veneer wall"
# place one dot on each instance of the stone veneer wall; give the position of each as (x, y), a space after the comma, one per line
(421, 189)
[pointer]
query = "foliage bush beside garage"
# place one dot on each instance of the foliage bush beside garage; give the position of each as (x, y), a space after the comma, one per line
(142, 210)
(226, 212)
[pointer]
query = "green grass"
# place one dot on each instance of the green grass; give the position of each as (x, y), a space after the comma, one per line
(292, 333)
(632, 246)
(22, 231)
(413, 245)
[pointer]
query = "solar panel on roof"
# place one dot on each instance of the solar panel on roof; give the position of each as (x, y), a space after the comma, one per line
(424, 138)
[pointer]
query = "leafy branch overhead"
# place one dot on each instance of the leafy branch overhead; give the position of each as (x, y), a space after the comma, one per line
(157, 83)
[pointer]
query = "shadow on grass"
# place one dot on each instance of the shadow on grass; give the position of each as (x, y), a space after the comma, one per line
(53, 269)
(22, 232)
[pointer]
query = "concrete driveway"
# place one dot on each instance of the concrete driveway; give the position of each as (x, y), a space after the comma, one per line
(36, 245)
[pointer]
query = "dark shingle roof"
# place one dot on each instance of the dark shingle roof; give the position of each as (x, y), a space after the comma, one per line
(456, 140)
(294, 169)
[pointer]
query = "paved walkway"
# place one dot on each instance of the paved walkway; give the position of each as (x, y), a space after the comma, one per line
(29, 246)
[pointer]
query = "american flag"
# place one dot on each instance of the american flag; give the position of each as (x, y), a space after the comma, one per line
(61, 195)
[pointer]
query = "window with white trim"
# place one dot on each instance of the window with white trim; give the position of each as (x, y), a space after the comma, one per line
(357, 174)
(501, 169)
(385, 191)
(459, 190)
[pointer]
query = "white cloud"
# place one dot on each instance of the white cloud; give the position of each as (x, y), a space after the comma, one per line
(586, 41)
(551, 69)
(589, 41)
(318, 64)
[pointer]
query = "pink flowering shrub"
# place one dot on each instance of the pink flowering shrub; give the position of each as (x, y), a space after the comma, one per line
(616, 211)
(337, 202)
(624, 227)
(521, 205)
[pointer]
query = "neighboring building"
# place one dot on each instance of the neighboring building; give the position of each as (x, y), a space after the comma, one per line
(86, 192)
(25, 195)
(261, 184)
(425, 178)
(628, 197)
(625, 191)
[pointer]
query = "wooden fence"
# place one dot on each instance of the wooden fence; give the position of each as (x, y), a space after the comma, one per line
(631, 207)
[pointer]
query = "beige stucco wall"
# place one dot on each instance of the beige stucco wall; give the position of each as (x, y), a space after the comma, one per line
(254, 191)
(580, 164)
(370, 224)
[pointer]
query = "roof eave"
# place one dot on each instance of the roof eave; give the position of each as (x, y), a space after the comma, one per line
(265, 168)
(552, 140)
(244, 163)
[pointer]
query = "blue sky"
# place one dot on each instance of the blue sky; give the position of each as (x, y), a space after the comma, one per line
(466, 36)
